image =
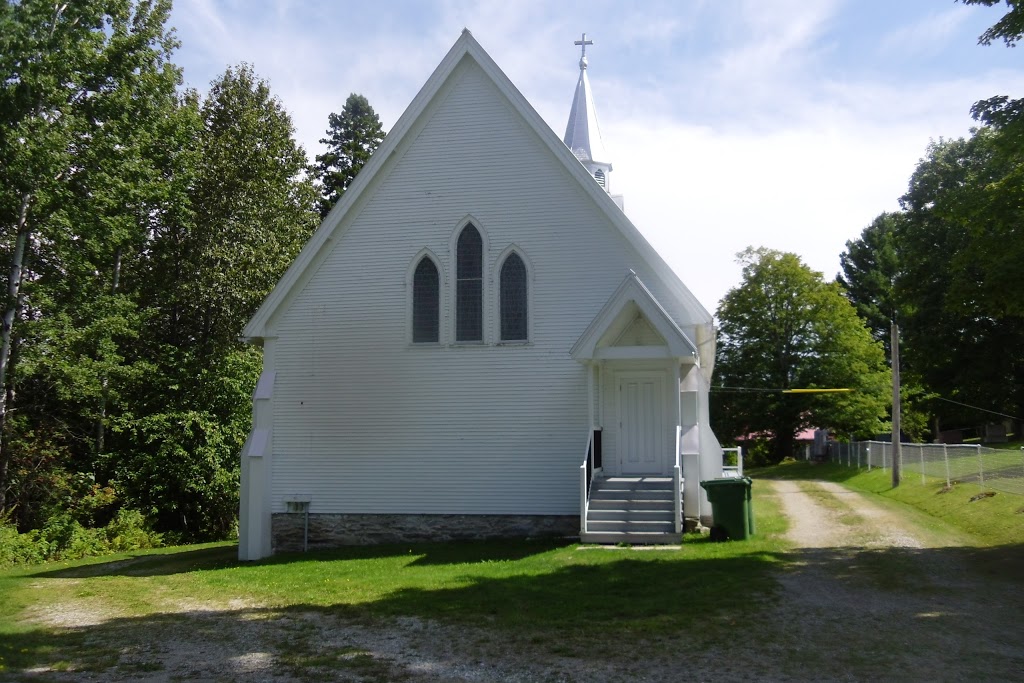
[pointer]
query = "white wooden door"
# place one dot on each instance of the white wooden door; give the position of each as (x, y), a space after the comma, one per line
(641, 399)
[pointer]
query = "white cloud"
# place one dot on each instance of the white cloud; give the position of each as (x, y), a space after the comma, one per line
(927, 36)
(773, 40)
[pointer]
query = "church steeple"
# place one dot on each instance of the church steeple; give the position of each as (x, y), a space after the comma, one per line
(582, 134)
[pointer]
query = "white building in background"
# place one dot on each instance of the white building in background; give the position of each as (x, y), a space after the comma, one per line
(477, 342)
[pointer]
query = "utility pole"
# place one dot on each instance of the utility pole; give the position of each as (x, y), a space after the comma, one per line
(897, 456)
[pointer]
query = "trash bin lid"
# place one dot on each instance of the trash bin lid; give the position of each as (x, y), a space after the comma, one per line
(727, 482)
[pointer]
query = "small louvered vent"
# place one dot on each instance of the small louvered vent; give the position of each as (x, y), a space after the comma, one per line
(599, 176)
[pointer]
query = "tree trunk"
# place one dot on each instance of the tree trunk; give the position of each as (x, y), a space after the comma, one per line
(11, 306)
(783, 445)
(101, 421)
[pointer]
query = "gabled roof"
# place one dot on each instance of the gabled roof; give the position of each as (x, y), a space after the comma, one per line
(632, 291)
(466, 47)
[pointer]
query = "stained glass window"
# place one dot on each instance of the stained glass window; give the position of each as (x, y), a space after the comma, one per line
(469, 299)
(513, 299)
(425, 302)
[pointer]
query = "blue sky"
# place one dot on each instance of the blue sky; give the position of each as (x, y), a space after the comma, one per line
(731, 123)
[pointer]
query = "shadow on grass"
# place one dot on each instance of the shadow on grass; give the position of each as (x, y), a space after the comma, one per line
(149, 563)
(427, 554)
(616, 612)
(592, 599)
(222, 557)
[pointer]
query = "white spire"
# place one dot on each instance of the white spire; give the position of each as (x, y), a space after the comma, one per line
(582, 133)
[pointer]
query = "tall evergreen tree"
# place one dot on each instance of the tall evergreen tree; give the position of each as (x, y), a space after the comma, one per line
(870, 267)
(352, 137)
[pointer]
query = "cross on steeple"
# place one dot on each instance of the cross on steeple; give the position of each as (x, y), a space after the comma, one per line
(583, 43)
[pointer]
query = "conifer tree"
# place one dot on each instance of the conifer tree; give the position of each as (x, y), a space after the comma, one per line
(352, 137)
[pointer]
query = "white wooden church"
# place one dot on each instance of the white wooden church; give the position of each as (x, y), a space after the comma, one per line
(477, 342)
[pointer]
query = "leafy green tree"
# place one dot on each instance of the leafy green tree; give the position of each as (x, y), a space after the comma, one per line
(251, 207)
(871, 268)
(785, 328)
(963, 332)
(352, 137)
(83, 85)
(1001, 111)
(254, 204)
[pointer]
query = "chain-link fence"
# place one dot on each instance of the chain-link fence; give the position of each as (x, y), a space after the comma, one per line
(989, 468)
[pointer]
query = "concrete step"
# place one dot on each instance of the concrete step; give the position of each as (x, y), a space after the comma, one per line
(627, 515)
(631, 538)
(641, 526)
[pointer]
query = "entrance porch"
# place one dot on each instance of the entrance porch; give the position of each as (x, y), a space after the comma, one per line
(644, 395)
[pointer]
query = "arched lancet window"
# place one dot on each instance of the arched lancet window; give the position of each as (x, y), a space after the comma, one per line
(599, 176)
(469, 290)
(513, 299)
(426, 302)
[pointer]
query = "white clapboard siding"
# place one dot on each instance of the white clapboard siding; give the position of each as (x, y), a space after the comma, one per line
(366, 422)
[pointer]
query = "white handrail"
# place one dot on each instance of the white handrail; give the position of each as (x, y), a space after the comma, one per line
(677, 482)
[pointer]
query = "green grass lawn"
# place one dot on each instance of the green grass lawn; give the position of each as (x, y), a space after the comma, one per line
(526, 589)
(555, 598)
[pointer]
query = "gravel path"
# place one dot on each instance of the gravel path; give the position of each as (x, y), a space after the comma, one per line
(864, 595)
(873, 596)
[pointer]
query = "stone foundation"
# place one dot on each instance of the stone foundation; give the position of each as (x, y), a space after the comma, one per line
(331, 531)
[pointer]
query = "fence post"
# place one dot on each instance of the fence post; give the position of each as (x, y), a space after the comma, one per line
(981, 468)
(945, 456)
(920, 449)
(858, 458)
(867, 449)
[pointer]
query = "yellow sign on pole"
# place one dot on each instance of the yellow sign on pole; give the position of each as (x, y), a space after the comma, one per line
(815, 391)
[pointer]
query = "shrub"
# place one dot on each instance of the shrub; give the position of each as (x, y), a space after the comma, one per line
(129, 531)
(18, 548)
(63, 538)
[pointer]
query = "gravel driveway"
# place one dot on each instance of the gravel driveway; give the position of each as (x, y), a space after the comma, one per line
(865, 595)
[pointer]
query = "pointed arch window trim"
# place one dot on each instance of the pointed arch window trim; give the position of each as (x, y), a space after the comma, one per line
(425, 336)
(522, 305)
(475, 297)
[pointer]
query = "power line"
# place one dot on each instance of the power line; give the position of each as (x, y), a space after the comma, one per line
(984, 410)
(740, 390)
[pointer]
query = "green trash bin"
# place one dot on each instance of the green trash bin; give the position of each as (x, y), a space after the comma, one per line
(730, 507)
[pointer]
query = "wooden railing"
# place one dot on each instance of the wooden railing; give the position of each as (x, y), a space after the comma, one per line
(677, 481)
